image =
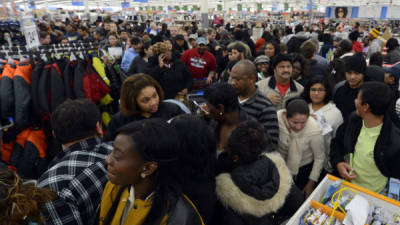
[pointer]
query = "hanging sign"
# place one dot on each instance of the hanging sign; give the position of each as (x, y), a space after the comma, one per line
(239, 7)
(31, 4)
(219, 7)
(142, 1)
(77, 3)
(125, 5)
(31, 35)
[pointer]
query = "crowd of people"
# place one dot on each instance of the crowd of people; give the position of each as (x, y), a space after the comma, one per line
(280, 113)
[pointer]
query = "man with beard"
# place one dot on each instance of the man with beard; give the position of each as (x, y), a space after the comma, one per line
(201, 63)
(346, 91)
(244, 77)
(280, 87)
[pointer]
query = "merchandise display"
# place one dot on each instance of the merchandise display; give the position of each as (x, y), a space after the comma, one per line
(336, 201)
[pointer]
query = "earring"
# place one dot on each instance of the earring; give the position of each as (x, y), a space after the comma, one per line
(142, 175)
(221, 113)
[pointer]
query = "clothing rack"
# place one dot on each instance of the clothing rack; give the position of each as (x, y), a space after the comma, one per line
(48, 49)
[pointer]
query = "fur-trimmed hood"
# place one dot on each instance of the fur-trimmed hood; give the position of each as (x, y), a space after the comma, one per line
(256, 189)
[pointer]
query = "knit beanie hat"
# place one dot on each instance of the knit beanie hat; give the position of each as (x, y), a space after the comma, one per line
(374, 32)
(356, 63)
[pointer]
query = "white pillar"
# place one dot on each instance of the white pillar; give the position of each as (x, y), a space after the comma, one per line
(204, 13)
(86, 2)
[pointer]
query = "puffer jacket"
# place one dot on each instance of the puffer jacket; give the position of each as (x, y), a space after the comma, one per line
(7, 92)
(253, 193)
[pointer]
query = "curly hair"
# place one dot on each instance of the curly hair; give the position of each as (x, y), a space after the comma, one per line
(159, 48)
(19, 202)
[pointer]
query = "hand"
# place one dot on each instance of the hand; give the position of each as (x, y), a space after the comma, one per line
(184, 92)
(161, 58)
(209, 80)
(275, 98)
(204, 110)
(309, 188)
(345, 171)
(217, 48)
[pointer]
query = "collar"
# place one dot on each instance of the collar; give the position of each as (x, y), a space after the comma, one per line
(346, 54)
(85, 145)
(252, 99)
(272, 84)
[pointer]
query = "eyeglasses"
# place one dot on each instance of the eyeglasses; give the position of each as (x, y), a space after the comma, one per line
(317, 90)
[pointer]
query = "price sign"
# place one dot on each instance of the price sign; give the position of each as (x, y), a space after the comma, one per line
(31, 35)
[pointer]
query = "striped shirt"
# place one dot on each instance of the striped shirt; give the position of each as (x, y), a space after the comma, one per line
(262, 109)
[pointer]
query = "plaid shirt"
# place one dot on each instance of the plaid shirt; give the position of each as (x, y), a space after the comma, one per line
(78, 176)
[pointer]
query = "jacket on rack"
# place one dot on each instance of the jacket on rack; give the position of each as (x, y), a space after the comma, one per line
(7, 92)
(68, 78)
(29, 153)
(36, 74)
(22, 94)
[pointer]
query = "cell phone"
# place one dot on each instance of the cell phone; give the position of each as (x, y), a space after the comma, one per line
(199, 106)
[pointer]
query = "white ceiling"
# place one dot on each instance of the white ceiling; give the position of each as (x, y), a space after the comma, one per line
(267, 4)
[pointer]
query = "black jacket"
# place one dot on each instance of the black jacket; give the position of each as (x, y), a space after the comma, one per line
(316, 68)
(343, 97)
(166, 110)
(386, 150)
(138, 65)
(251, 194)
(392, 57)
(174, 79)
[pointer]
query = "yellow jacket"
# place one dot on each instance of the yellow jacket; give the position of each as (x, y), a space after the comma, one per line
(137, 214)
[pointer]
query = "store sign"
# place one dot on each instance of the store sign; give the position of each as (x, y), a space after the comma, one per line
(31, 4)
(142, 1)
(78, 3)
(30, 30)
(239, 7)
(125, 5)
(219, 8)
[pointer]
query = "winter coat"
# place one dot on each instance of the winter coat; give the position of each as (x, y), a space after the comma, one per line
(252, 193)
(392, 57)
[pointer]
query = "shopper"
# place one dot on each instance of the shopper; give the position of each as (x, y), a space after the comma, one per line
(172, 74)
(280, 87)
(375, 45)
(78, 173)
(180, 44)
(309, 50)
(133, 48)
(201, 63)
(301, 145)
(254, 182)
(197, 163)
(366, 147)
(337, 66)
(141, 63)
(357, 46)
(300, 65)
(244, 77)
(271, 49)
(262, 63)
(266, 37)
(318, 94)
(141, 98)
(143, 185)
(223, 107)
(375, 70)
(19, 203)
(393, 53)
(346, 91)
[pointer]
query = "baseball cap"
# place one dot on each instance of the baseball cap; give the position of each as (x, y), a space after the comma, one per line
(201, 40)
(179, 37)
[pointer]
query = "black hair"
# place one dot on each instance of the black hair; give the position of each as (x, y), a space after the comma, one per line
(317, 79)
(135, 41)
(280, 58)
(248, 141)
(145, 46)
(376, 59)
(392, 44)
(239, 47)
(353, 36)
(267, 36)
(152, 143)
(224, 94)
(377, 95)
(74, 120)
(276, 46)
(198, 146)
(344, 12)
(296, 106)
(298, 28)
(288, 30)
(275, 31)
(327, 38)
